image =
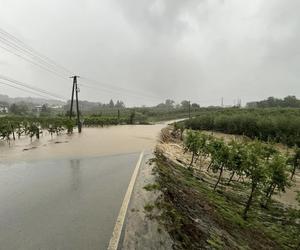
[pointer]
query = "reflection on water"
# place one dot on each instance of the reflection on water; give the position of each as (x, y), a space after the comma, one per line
(75, 175)
(62, 204)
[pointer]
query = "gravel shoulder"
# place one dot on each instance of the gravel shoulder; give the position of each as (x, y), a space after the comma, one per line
(140, 230)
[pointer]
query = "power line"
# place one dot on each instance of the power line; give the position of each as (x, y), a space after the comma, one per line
(121, 94)
(25, 53)
(15, 42)
(97, 83)
(22, 84)
(25, 90)
(19, 48)
(32, 62)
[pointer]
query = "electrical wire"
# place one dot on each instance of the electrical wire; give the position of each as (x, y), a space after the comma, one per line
(32, 88)
(113, 87)
(120, 94)
(25, 90)
(12, 41)
(20, 49)
(32, 62)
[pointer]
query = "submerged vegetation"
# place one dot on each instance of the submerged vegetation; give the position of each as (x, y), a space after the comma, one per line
(15, 127)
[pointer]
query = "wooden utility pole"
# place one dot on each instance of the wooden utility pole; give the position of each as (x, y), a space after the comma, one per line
(72, 98)
(189, 109)
(76, 89)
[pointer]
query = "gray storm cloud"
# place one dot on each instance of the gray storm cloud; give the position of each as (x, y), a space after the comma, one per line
(198, 50)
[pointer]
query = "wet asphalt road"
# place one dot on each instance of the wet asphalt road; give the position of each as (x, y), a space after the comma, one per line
(63, 203)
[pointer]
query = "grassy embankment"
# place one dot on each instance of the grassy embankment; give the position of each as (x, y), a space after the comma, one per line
(199, 218)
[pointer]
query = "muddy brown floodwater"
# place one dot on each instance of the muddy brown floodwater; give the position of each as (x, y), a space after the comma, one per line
(91, 142)
(65, 192)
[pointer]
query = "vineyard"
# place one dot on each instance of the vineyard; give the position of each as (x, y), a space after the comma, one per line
(261, 164)
(232, 183)
(271, 125)
(12, 127)
(15, 127)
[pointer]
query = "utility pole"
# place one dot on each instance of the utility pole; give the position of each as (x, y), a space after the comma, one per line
(222, 102)
(76, 89)
(72, 98)
(189, 109)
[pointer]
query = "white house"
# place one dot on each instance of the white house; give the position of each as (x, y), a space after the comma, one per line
(3, 108)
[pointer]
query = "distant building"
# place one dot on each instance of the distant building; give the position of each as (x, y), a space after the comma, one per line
(57, 107)
(3, 108)
(38, 108)
(251, 105)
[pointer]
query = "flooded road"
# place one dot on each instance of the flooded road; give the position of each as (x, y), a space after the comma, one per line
(66, 192)
(91, 142)
(62, 204)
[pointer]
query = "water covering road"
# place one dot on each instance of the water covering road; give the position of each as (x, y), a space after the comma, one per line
(62, 204)
(66, 192)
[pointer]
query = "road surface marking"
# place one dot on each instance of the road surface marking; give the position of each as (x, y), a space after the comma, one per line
(114, 241)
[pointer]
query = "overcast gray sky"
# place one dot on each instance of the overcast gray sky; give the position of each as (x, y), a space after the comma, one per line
(181, 49)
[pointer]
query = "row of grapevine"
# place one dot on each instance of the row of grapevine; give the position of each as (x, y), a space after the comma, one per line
(15, 127)
(266, 125)
(261, 164)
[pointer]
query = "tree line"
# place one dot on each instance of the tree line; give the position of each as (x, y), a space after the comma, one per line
(272, 102)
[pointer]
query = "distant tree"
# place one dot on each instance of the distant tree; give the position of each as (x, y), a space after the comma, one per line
(291, 101)
(288, 101)
(119, 104)
(18, 109)
(195, 106)
(111, 104)
(185, 104)
(14, 109)
(45, 110)
(169, 103)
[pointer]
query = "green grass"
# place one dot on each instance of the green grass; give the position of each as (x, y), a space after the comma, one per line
(152, 187)
(149, 207)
